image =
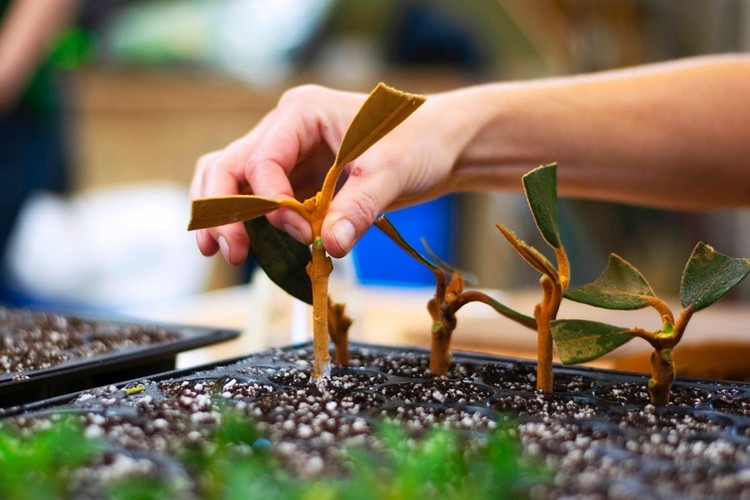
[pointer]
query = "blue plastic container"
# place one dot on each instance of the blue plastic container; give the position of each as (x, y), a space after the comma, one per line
(379, 261)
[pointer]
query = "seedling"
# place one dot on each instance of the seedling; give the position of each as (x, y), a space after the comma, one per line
(449, 297)
(540, 186)
(236, 460)
(383, 110)
(41, 463)
(707, 277)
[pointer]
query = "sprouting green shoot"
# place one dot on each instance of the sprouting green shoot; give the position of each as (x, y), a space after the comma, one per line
(238, 461)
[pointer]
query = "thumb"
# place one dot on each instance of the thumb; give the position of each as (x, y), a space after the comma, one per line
(353, 210)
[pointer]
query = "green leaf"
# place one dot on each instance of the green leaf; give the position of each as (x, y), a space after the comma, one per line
(509, 313)
(578, 341)
(283, 258)
(446, 267)
(709, 275)
(387, 227)
(620, 286)
(221, 210)
(540, 186)
(236, 429)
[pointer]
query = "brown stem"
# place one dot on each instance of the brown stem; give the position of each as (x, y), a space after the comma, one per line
(544, 313)
(544, 355)
(662, 308)
(544, 338)
(319, 269)
(440, 354)
(662, 376)
(681, 323)
(338, 329)
(442, 308)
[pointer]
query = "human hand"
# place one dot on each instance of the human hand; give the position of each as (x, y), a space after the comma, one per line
(290, 151)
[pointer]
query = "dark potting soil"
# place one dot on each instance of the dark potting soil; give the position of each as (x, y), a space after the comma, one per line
(43, 354)
(597, 432)
(31, 341)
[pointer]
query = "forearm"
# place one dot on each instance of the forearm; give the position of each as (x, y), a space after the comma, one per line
(670, 135)
(28, 31)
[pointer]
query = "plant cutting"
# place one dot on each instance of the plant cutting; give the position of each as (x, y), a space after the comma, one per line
(449, 297)
(708, 276)
(285, 261)
(384, 109)
(540, 188)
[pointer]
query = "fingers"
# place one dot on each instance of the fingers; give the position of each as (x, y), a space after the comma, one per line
(405, 168)
(300, 136)
(211, 241)
(364, 195)
(214, 177)
(268, 166)
(307, 121)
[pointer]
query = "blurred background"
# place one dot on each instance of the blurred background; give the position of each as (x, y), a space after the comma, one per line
(143, 88)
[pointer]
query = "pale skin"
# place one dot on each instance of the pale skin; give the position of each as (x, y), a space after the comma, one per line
(670, 135)
(29, 29)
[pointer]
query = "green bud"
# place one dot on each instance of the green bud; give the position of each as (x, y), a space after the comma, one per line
(436, 326)
(666, 354)
(318, 242)
(651, 383)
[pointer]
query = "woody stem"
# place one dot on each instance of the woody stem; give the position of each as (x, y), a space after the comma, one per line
(662, 376)
(319, 269)
(544, 313)
(440, 356)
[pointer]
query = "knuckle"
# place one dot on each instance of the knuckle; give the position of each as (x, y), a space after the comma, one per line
(299, 95)
(207, 161)
(365, 208)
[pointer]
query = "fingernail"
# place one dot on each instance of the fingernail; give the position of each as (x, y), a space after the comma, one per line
(344, 233)
(294, 233)
(224, 247)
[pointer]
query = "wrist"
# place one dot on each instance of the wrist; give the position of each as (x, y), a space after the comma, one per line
(483, 133)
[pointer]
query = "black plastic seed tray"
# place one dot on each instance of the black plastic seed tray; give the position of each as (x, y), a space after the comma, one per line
(597, 431)
(44, 354)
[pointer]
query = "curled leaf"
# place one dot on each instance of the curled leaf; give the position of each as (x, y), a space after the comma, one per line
(530, 254)
(579, 341)
(384, 109)
(540, 186)
(709, 275)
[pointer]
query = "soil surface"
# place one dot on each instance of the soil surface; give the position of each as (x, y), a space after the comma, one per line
(32, 341)
(597, 432)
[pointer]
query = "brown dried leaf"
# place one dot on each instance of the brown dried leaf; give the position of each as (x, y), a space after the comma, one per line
(384, 109)
(220, 210)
